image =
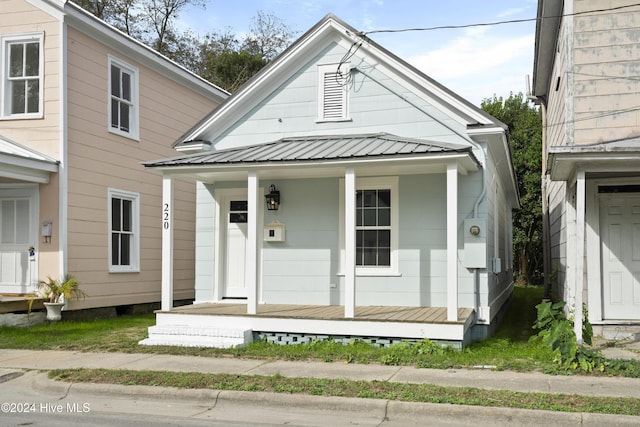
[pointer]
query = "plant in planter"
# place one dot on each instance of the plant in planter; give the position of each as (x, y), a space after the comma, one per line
(57, 292)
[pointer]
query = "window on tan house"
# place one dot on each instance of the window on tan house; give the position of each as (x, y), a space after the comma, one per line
(124, 231)
(333, 94)
(123, 98)
(22, 75)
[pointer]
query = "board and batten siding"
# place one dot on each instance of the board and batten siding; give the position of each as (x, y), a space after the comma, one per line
(291, 110)
(99, 160)
(606, 51)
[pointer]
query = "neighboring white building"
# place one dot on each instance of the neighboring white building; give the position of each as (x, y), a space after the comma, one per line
(586, 79)
(395, 198)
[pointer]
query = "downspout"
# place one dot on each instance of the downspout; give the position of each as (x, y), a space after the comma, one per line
(483, 164)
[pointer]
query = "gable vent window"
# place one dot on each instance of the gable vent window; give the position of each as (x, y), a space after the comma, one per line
(333, 93)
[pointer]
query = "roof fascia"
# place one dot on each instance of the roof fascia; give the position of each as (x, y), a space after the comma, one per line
(54, 8)
(547, 31)
(562, 166)
(141, 53)
(332, 28)
(261, 84)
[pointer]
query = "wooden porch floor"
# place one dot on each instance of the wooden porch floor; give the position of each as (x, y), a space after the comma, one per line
(437, 315)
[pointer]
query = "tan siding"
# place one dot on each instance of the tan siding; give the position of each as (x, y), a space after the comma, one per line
(20, 17)
(607, 60)
(99, 160)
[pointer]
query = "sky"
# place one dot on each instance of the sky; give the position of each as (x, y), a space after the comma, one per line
(476, 63)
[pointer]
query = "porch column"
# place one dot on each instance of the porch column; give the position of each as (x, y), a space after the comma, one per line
(452, 242)
(579, 260)
(350, 243)
(251, 261)
(167, 243)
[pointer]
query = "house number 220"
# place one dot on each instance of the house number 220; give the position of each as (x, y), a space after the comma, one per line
(165, 216)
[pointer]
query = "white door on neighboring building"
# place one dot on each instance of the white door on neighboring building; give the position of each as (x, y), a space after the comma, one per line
(620, 249)
(235, 239)
(18, 233)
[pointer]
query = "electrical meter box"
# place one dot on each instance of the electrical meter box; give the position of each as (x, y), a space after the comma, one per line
(475, 243)
(274, 232)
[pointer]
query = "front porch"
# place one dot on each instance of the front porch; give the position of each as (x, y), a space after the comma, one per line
(227, 325)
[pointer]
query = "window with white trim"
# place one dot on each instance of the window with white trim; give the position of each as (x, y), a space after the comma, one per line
(376, 226)
(333, 81)
(22, 75)
(124, 233)
(123, 98)
(373, 227)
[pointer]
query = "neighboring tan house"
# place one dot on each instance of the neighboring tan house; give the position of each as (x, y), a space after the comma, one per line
(586, 79)
(393, 211)
(81, 106)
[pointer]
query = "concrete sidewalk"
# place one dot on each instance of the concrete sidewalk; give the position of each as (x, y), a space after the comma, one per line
(478, 378)
(225, 405)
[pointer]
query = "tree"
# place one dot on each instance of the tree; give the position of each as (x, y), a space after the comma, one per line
(268, 35)
(230, 69)
(525, 127)
(150, 21)
(219, 57)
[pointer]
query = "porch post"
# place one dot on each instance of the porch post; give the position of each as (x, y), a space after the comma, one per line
(251, 261)
(350, 243)
(452, 242)
(167, 243)
(579, 270)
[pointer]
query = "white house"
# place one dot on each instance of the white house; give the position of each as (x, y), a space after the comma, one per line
(393, 218)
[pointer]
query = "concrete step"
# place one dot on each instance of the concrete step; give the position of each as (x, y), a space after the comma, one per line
(188, 336)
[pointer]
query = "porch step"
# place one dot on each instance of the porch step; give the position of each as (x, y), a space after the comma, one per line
(188, 336)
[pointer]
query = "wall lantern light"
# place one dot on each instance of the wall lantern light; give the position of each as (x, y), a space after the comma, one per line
(273, 198)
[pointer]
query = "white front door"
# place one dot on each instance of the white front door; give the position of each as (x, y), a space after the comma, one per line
(236, 217)
(18, 233)
(620, 241)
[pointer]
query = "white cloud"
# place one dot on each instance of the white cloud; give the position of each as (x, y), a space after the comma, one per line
(478, 65)
(512, 11)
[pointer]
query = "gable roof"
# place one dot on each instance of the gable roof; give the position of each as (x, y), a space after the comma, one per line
(319, 148)
(302, 51)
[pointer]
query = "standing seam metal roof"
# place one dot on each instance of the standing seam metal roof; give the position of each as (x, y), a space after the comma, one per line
(318, 148)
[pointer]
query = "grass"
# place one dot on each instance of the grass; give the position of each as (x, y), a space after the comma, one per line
(509, 349)
(363, 389)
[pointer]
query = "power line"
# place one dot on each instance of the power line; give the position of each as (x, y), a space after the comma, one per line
(495, 23)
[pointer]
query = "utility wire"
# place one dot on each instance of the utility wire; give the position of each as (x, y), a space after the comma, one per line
(489, 24)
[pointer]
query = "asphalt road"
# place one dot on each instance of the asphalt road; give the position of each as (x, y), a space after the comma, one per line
(30, 398)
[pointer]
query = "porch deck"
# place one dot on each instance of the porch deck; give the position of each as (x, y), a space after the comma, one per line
(228, 324)
(330, 312)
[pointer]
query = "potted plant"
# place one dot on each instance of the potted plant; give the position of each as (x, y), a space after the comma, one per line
(57, 292)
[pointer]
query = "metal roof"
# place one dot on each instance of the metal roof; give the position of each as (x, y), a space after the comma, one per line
(318, 148)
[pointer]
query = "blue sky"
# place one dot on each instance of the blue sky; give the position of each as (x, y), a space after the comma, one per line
(476, 63)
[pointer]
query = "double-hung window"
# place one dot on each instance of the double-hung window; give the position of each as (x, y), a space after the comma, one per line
(123, 98)
(373, 227)
(22, 76)
(124, 231)
(376, 226)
